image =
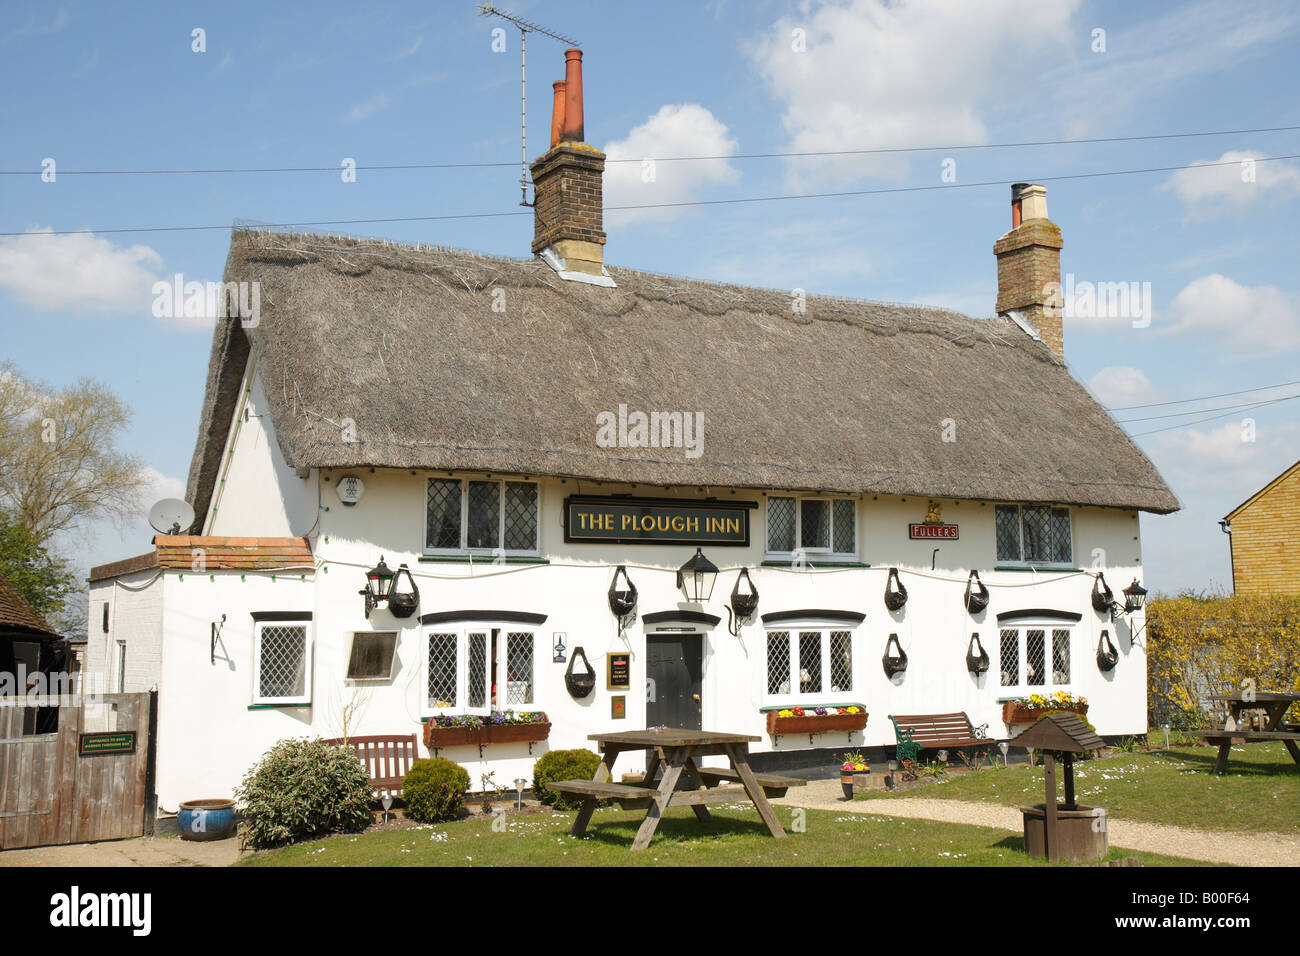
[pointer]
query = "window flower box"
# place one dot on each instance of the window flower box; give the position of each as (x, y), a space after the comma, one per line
(500, 727)
(1031, 709)
(819, 720)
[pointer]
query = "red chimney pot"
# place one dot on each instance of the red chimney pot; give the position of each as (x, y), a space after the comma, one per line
(557, 113)
(573, 131)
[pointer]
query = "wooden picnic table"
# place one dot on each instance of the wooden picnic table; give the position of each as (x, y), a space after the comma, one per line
(1274, 707)
(673, 757)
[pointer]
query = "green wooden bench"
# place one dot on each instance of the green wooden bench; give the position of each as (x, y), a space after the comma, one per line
(917, 732)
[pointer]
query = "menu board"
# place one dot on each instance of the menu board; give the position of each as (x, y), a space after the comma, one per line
(618, 671)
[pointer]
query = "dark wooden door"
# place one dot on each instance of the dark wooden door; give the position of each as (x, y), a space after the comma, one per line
(675, 667)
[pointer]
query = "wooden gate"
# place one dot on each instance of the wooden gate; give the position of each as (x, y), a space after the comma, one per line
(75, 786)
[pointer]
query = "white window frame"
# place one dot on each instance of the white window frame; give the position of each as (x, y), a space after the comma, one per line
(305, 622)
(1023, 688)
(464, 550)
(1022, 562)
(392, 664)
(463, 630)
(826, 552)
(826, 695)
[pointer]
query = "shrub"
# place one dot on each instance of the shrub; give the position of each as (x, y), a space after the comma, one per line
(301, 789)
(434, 790)
(562, 765)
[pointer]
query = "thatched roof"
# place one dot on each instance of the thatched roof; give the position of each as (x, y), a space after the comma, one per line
(848, 397)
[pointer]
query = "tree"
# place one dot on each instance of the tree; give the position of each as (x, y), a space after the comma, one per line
(59, 465)
(44, 580)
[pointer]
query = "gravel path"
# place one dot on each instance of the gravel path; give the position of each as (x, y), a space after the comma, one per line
(1242, 849)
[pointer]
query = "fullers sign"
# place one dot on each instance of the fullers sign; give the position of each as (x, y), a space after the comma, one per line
(932, 531)
(656, 520)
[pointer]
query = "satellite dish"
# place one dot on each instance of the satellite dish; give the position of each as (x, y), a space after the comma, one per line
(171, 516)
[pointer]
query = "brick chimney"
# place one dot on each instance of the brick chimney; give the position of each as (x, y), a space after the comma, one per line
(1029, 265)
(567, 203)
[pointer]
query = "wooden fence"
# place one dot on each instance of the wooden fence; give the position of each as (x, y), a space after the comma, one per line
(74, 785)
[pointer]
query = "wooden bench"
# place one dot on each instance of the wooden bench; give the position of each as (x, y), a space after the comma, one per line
(1224, 739)
(773, 785)
(917, 732)
(387, 758)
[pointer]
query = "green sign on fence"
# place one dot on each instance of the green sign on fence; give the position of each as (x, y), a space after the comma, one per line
(113, 742)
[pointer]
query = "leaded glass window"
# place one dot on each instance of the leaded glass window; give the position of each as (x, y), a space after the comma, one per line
(1009, 658)
(814, 524)
(826, 525)
(778, 662)
(442, 671)
(481, 515)
(282, 672)
(810, 662)
(477, 693)
(521, 516)
(1034, 534)
(841, 660)
(519, 668)
(442, 513)
(1061, 656)
(780, 524)
(844, 525)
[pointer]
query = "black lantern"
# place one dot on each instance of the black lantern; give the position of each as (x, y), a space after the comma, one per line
(378, 580)
(976, 600)
(622, 601)
(403, 603)
(977, 659)
(743, 606)
(1135, 595)
(696, 577)
(1107, 653)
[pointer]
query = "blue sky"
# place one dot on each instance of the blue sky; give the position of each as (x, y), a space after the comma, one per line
(97, 86)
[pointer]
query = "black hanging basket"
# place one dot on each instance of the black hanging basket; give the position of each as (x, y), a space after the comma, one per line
(1102, 598)
(894, 663)
(895, 592)
(579, 684)
(622, 602)
(1107, 653)
(977, 659)
(744, 605)
(403, 604)
(976, 601)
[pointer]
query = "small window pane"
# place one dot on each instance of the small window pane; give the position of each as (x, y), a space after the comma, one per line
(810, 662)
(443, 514)
(484, 515)
(442, 670)
(1059, 536)
(815, 524)
(283, 666)
(476, 696)
(1009, 659)
(1008, 532)
(372, 656)
(841, 661)
(1035, 658)
(521, 516)
(519, 668)
(844, 526)
(780, 524)
(778, 662)
(1061, 656)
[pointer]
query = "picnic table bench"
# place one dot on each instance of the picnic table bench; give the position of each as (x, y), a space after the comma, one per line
(386, 757)
(1274, 707)
(917, 732)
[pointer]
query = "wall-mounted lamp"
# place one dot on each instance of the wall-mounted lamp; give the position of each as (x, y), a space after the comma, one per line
(696, 577)
(743, 605)
(378, 580)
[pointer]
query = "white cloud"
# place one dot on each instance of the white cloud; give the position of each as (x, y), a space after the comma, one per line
(367, 107)
(410, 50)
(160, 486)
(1215, 190)
(676, 130)
(1120, 385)
(911, 73)
(81, 273)
(1248, 320)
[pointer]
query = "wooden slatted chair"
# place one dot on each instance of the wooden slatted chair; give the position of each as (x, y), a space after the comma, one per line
(387, 758)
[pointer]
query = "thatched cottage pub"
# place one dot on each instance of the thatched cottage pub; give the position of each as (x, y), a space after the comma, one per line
(624, 500)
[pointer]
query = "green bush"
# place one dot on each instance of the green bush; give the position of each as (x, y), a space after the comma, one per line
(434, 790)
(562, 765)
(302, 789)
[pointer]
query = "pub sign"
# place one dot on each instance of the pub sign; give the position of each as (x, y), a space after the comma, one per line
(592, 518)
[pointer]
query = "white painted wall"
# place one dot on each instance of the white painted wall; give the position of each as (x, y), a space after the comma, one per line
(209, 736)
(135, 616)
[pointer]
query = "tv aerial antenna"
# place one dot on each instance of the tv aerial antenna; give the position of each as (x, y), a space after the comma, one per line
(525, 26)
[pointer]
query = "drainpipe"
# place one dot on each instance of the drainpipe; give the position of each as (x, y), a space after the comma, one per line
(1226, 527)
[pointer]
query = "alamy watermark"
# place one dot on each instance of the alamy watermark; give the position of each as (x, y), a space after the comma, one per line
(635, 429)
(179, 299)
(1100, 300)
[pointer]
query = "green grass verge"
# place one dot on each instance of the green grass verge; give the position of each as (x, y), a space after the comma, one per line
(734, 837)
(1259, 793)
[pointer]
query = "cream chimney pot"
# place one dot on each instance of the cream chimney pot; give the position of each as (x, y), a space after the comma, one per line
(1033, 203)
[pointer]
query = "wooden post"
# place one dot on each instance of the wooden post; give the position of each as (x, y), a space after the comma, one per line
(1069, 781)
(1049, 774)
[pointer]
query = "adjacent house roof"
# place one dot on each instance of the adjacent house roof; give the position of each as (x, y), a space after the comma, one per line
(220, 553)
(375, 354)
(1263, 491)
(18, 616)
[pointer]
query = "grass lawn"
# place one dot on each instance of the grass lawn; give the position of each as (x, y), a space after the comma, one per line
(1260, 792)
(735, 837)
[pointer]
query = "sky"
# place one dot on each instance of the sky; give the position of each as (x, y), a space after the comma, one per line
(236, 85)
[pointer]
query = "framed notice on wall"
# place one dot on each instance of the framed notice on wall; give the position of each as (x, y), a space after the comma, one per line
(618, 671)
(618, 707)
